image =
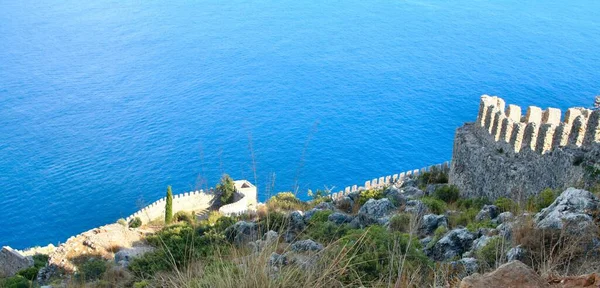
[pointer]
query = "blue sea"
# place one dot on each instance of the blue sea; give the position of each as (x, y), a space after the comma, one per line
(105, 103)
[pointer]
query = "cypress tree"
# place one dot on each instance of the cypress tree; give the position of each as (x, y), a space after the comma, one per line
(226, 189)
(169, 206)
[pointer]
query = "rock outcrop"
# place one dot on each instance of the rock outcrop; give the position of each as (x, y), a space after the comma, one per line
(510, 275)
(453, 244)
(574, 208)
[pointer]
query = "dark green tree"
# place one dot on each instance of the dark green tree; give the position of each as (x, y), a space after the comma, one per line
(169, 207)
(226, 189)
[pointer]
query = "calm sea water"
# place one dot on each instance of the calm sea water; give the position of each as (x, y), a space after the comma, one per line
(105, 103)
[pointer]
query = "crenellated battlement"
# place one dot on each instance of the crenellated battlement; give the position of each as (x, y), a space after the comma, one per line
(188, 202)
(381, 182)
(538, 130)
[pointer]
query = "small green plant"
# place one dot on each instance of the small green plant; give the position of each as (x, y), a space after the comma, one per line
(434, 176)
(169, 206)
(16, 281)
(135, 222)
(320, 216)
(475, 226)
(122, 222)
(463, 218)
(542, 200)
(326, 232)
(226, 189)
(92, 269)
(436, 206)
(285, 201)
(492, 252)
(448, 194)
(183, 216)
(401, 222)
(506, 204)
(369, 194)
(477, 203)
(141, 284)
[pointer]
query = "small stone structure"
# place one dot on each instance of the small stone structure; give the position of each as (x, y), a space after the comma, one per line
(245, 199)
(200, 201)
(196, 201)
(12, 262)
(507, 154)
(381, 182)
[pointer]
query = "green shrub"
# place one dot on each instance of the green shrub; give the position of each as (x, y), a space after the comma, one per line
(542, 200)
(135, 222)
(275, 221)
(463, 218)
(169, 206)
(369, 194)
(320, 216)
(492, 252)
(436, 206)
(434, 176)
(506, 204)
(326, 232)
(141, 284)
(29, 273)
(373, 248)
(40, 260)
(92, 269)
(17, 281)
(475, 226)
(477, 203)
(177, 245)
(186, 217)
(448, 194)
(285, 201)
(400, 222)
(226, 188)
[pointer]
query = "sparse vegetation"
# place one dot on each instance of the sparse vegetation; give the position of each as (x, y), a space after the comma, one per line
(285, 201)
(436, 206)
(135, 222)
(370, 194)
(448, 193)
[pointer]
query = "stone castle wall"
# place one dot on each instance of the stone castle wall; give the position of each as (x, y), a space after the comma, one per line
(196, 201)
(381, 182)
(505, 153)
(12, 262)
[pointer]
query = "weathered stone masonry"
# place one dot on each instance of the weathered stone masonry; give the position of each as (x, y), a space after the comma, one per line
(505, 153)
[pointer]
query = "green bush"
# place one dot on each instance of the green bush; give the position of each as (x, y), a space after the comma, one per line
(135, 222)
(177, 245)
(17, 281)
(436, 206)
(92, 269)
(475, 226)
(506, 204)
(492, 252)
(285, 201)
(226, 189)
(542, 200)
(448, 194)
(463, 218)
(169, 206)
(477, 203)
(326, 232)
(183, 216)
(275, 221)
(141, 284)
(373, 248)
(439, 232)
(400, 222)
(369, 194)
(434, 176)
(320, 216)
